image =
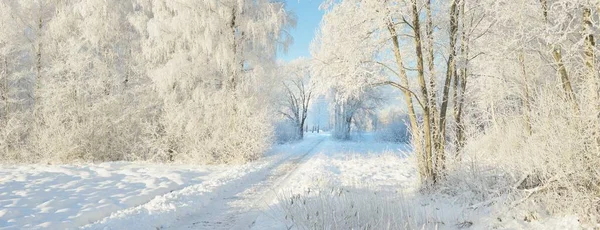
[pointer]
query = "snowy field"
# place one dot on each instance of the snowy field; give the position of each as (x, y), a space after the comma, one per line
(40, 196)
(70, 196)
(172, 114)
(372, 175)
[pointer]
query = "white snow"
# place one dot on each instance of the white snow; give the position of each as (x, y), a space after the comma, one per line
(212, 204)
(55, 197)
(375, 173)
(362, 163)
(158, 196)
(121, 193)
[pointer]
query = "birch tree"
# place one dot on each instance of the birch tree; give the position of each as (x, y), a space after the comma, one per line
(350, 71)
(393, 44)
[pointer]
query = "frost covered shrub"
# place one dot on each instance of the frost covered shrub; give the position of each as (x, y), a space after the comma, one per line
(215, 131)
(395, 129)
(341, 208)
(93, 126)
(285, 132)
(13, 139)
(555, 165)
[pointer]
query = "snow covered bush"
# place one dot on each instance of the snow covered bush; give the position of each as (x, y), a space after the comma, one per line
(555, 165)
(213, 132)
(394, 129)
(109, 129)
(346, 208)
(13, 145)
(285, 132)
(531, 115)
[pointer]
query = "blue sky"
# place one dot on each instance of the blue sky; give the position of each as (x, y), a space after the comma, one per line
(308, 16)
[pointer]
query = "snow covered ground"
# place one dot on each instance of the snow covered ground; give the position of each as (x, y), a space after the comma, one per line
(39, 196)
(154, 196)
(123, 194)
(381, 177)
(365, 165)
(223, 202)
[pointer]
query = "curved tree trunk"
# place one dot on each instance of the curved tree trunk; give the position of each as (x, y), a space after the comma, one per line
(414, 127)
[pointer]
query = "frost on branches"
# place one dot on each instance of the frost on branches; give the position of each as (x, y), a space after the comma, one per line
(137, 80)
(502, 96)
(296, 93)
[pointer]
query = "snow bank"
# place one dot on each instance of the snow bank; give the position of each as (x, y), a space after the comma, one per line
(58, 197)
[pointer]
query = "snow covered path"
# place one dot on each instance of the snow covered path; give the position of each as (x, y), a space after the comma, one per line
(364, 164)
(154, 196)
(223, 202)
(250, 202)
(241, 202)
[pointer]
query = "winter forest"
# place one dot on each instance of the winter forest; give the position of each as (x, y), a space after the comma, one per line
(408, 114)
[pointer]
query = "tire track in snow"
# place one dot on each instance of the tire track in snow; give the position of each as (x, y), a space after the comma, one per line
(239, 207)
(172, 209)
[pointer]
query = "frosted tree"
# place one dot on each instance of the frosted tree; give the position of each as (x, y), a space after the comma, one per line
(8, 47)
(532, 108)
(88, 106)
(23, 57)
(32, 18)
(13, 118)
(297, 93)
(353, 111)
(391, 44)
(207, 59)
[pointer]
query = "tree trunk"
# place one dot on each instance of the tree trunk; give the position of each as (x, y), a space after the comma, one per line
(431, 174)
(37, 48)
(592, 76)
(437, 139)
(461, 83)
(564, 77)
(38, 66)
(343, 120)
(347, 127)
(305, 103)
(590, 43)
(412, 116)
(6, 93)
(590, 54)
(301, 131)
(236, 68)
(450, 72)
(558, 60)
